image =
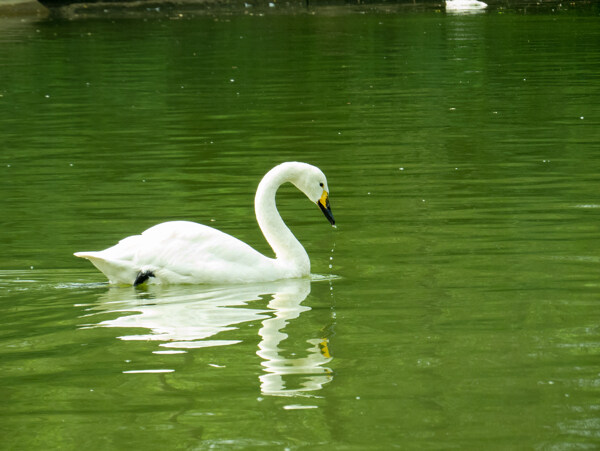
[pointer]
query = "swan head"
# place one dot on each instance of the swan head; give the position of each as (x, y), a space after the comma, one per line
(313, 183)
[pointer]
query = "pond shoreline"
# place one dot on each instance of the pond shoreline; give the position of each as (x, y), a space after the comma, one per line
(137, 8)
(19, 8)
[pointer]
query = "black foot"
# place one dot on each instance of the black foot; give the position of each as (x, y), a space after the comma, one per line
(142, 277)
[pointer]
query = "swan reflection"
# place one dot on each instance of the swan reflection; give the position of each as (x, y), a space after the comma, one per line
(182, 318)
(286, 307)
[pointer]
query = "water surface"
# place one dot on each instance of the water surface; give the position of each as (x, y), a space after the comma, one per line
(455, 306)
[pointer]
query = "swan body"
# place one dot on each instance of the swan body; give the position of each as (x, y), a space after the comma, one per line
(187, 252)
(464, 5)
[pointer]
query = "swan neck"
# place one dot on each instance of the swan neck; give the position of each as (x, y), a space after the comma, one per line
(283, 242)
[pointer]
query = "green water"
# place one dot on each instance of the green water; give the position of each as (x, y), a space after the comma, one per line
(454, 307)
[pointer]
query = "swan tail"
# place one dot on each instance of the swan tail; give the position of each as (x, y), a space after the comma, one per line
(116, 271)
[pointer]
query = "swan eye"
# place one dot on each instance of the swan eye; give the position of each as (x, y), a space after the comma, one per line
(321, 184)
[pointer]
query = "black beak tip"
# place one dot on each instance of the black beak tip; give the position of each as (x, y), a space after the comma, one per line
(327, 212)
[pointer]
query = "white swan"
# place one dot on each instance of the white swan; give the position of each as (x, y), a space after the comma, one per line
(464, 5)
(187, 252)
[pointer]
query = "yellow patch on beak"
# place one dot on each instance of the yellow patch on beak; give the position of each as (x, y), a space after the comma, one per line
(323, 204)
(324, 200)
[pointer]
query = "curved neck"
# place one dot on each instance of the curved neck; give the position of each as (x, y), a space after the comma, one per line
(285, 245)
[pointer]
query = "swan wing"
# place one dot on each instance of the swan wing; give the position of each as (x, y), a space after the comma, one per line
(181, 252)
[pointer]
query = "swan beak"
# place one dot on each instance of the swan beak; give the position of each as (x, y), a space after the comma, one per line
(323, 204)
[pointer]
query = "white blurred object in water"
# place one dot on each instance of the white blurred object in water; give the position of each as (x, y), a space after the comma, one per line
(465, 5)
